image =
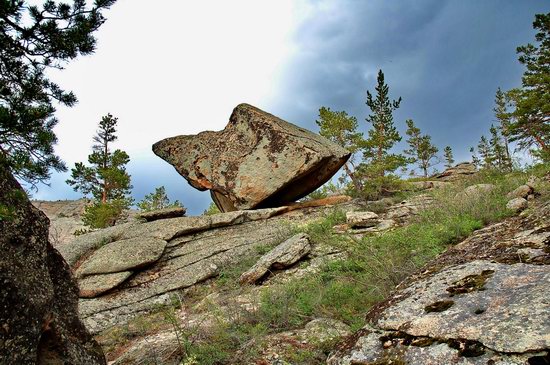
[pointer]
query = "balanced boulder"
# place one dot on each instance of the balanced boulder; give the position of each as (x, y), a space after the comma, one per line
(257, 161)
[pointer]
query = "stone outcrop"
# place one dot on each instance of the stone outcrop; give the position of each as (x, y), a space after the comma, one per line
(457, 172)
(284, 255)
(65, 218)
(154, 215)
(362, 219)
(257, 161)
(517, 204)
(482, 302)
(195, 249)
(123, 255)
(39, 322)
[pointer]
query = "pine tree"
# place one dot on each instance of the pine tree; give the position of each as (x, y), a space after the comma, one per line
(475, 158)
(157, 200)
(448, 154)
(504, 118)
(421, 150)
(484, 150)
(498, 150)
(34, 39)
(378, 161)
(531, 125)
(106, 179)
(340, 128)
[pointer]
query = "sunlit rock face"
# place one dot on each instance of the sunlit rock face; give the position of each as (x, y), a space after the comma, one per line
(257, 161)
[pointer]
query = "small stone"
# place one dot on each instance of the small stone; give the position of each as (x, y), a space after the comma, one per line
(522, 191)
(362, 219)
(517, 204)
(282, 256)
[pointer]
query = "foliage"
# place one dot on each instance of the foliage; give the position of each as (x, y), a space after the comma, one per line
(102, 215)
(324, 191)
(504, 119)
(448, 155)
(530, 126)
(212, 209)
(106, 179)
(379, 163)
(499, 153)
(485, 153)
(34, 39)
(157, 200)
(421, 150)
(340, 128)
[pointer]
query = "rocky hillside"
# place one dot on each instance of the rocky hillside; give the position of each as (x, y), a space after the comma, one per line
(250, 287)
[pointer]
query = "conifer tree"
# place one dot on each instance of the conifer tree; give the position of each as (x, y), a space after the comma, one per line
(504, 118)
(448, 154)
(341, 128)
(106, 180)
(531, 125)
(498, 150)
(157, 200)
(475, 158)
(34, 39)
(485, 153)
(379, 162)
(421, 151)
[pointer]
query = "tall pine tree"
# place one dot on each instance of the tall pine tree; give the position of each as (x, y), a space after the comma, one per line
(421, 151)
(380, 163)
(504, 119)
(34, 39)
(448, 155)
(106, 179)
(531, 124)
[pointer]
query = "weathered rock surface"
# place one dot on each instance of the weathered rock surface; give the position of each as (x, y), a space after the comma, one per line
(362, 219)
(123, 255)
(425, 185)
(257, 161)
(65, 218)
(39, 323)
(165, 213)
(517, 204)
(522, 191)
(457, 172)
(481, 302)
(95, 285)
(196, 249)
(475, 192)
(282, 256)
(410, 207)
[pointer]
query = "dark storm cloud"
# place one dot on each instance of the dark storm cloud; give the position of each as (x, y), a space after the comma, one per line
(445, 58)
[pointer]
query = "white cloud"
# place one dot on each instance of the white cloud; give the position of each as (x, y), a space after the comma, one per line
(175, 67)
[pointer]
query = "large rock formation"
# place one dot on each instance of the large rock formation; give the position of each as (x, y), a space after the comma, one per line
(257, 161)
(38, 297)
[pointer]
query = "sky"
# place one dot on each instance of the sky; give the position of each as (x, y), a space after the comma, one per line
(180, 67)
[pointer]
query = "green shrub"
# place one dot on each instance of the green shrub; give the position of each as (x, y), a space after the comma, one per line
(102, 215)
(212, 209)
